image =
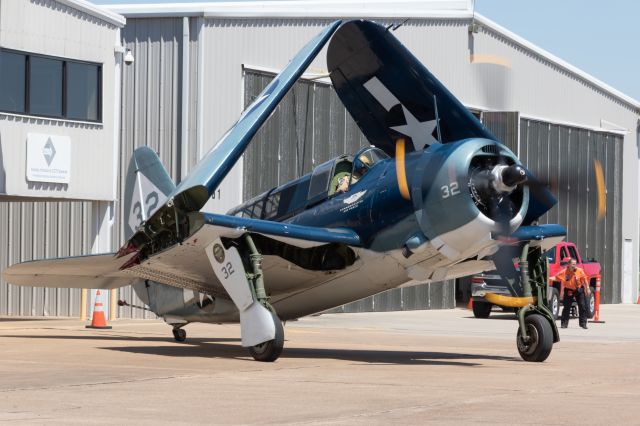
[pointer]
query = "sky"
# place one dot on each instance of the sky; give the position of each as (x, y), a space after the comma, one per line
(599, 37)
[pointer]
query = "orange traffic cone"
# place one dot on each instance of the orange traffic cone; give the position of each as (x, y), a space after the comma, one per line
(470, 305)
(98, 320)
(596, 315)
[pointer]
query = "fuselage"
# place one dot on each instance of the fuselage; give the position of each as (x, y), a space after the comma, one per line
(438, 233)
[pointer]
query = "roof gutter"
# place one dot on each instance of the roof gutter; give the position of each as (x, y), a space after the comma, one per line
(99, 12)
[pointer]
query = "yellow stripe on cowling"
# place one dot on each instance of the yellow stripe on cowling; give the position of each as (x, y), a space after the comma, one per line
(602, 194)
(508, 301)
(400, 170)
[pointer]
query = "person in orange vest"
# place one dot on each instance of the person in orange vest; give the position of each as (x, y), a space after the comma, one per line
(576, 286)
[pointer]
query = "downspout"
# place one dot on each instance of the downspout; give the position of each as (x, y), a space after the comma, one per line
(184, 105)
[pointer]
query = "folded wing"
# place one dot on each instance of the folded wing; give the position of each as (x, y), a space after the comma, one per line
(390, 94)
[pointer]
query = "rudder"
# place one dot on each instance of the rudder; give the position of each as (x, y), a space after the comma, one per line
(147, 186)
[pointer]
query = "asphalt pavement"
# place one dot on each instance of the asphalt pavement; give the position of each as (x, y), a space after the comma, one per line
(418, 367)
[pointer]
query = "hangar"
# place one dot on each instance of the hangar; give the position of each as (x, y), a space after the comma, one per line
(198, 65)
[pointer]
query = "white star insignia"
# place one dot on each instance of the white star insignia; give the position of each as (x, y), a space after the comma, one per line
(420, 132)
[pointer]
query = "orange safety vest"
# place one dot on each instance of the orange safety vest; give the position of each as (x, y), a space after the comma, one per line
(572, 280)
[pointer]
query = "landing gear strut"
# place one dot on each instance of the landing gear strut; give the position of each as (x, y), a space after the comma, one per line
(537, 331)
(271, 350)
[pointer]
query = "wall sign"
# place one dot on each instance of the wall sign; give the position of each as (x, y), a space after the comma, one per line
(48, 158)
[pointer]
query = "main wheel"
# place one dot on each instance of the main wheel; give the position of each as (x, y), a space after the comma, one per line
(271, 350)
(554, 302)
(481, 309)
(540, 343)
(179, 334)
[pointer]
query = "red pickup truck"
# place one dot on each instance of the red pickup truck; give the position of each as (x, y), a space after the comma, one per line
(491, 283)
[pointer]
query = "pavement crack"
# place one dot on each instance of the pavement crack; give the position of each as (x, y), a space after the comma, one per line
(109, 382)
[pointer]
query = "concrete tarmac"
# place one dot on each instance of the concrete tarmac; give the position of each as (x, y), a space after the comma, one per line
(420, 367)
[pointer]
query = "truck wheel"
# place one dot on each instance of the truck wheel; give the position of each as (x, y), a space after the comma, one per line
(481, 309)
(590, 304)
(540, 343)
(554, 302)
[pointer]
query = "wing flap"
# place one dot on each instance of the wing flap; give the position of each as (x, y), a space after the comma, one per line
(93, 271)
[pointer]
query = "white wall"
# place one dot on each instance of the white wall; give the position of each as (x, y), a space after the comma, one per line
(51, 28)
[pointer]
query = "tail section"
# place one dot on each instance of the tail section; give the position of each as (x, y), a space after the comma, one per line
(147, 187)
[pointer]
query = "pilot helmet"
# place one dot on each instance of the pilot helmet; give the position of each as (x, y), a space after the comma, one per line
(361, 165)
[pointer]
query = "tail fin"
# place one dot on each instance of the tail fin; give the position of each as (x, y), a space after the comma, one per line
(147, 187)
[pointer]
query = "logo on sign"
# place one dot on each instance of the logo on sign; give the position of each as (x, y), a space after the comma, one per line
(49, 151)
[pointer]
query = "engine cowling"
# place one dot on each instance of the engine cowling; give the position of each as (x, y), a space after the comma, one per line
(468, 192)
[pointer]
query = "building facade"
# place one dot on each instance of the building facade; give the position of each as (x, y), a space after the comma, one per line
(59, 127)
(198, 66)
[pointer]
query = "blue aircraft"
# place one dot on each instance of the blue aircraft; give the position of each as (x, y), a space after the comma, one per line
(434, 197)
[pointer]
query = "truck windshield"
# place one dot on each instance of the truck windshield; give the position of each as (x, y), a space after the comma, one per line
(551, 254)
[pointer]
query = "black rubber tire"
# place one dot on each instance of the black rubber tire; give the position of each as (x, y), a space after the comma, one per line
(179, 335)
(541, 339)
(481, 309)
(554, 302)
(271, 350)
(590, 304)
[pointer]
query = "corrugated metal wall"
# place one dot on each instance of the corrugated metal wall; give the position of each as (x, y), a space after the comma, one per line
(150, 111)
(564, 156)
(310, 127)
(30, 230)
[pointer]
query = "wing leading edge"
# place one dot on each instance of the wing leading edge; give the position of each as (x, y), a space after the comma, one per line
(194, 191)
(280, 231)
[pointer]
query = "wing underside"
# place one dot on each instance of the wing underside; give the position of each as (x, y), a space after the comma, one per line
(93, 271)
(294, 257)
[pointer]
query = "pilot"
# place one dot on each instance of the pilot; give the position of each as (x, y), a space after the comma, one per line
(343, 184)
(575, 284)
(361, 166)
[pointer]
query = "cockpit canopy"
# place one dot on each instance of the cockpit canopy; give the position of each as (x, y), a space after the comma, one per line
(293, 197)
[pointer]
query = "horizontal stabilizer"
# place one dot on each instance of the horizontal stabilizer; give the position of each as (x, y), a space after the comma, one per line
(93, 271)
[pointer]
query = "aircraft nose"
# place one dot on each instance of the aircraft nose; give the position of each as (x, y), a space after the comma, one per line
(514, 175)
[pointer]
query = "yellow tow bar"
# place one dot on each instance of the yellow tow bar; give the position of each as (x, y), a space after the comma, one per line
(508, 301)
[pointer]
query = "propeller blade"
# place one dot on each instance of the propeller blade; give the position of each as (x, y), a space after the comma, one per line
(602, 191)
(401, 172)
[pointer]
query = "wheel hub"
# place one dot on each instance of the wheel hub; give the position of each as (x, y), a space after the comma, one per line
(530, 346)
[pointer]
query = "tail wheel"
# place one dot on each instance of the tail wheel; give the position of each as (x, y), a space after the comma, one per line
(179, 335)
(271, 350)
(540, 342)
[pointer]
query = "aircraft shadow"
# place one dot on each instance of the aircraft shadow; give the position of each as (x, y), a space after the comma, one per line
(219, 348)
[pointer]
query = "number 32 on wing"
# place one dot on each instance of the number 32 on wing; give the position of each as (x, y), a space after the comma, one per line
(227, 270)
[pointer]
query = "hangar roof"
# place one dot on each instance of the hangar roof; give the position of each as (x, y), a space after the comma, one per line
(95, 11)
(461, 9)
